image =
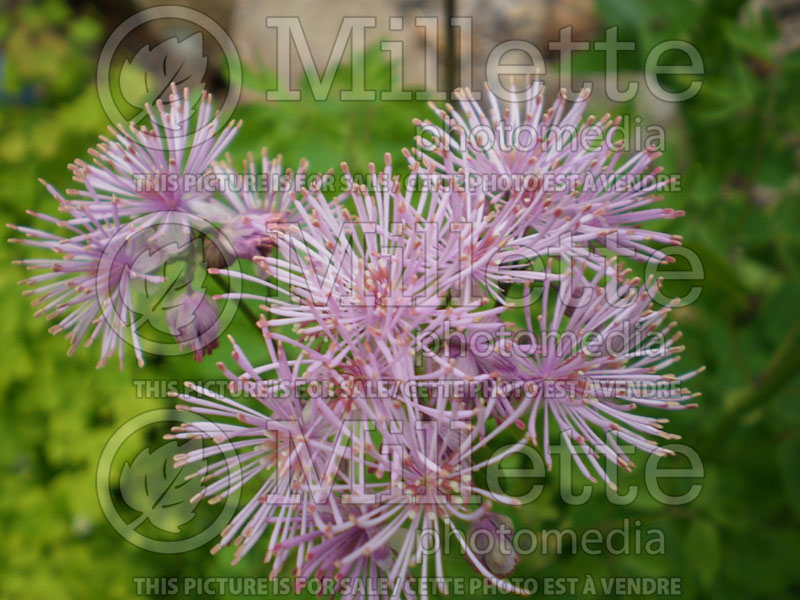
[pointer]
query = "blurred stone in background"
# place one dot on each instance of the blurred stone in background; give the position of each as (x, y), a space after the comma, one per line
(787, 15)
(535, 21)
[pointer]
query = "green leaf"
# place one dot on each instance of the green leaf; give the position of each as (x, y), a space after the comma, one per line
(703, 550)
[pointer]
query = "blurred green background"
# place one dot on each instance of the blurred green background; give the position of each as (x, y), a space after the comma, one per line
(737, 146)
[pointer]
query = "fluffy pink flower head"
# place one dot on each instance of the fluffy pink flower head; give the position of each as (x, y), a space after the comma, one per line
(596, 353)
(386, 379)
(483, 238)
(426, 485)
(87, 286)
(282, 444)
(603, 198)
(373, 277)
(345, 507)
(148, 171)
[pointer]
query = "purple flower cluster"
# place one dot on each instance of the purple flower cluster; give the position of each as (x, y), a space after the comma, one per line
(123, 234)
(491, 312)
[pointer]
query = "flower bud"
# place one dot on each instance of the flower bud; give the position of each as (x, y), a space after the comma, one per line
(253, 234)
(383, 556)
(214, 254)
(491, 539)
(194, 323)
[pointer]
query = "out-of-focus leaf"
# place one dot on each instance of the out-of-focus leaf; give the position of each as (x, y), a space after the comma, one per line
(790, 469)
(703, 549)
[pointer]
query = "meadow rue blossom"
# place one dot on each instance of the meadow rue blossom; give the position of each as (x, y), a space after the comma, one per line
(86, 287)
(476, 358)
(110, 279)
(146, 171)
(284, 447)
(142, 204)
(327, 490)
(371, 277)
(387, 376)
(367, 576)
(604, 352)
(293, 448)
(482, 238)
(433, 460)
(571, 168)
